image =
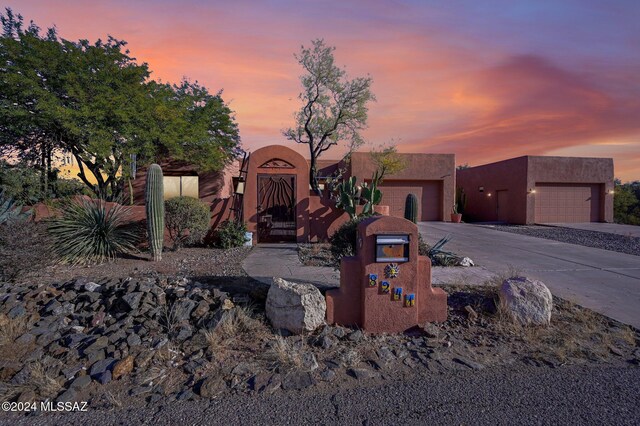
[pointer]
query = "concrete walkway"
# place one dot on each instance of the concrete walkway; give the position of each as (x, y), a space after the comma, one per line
(602, 280)
(281, 260)
(610, 228)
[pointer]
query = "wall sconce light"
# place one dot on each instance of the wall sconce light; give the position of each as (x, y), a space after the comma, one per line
(481, 189)
(610, 191)
(531, 191)
(240, 188)
(321, 186)
(489, 194)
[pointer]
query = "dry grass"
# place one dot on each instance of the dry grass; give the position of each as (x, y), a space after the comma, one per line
(350, 358)
(11, 329)
(286, 354)
(236, 323)
(43, 380)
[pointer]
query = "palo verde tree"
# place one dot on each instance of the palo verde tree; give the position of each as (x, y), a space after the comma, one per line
(95, 101)
(334, 108)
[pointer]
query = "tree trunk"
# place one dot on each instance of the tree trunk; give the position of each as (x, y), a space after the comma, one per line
(313, 174)
(44, 178)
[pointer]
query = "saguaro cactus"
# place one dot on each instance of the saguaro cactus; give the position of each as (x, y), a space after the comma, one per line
(154, 202)
(411, 208)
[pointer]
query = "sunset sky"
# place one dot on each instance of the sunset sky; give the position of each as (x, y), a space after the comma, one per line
(485, 80)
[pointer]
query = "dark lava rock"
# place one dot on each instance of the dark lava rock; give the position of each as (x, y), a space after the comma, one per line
(362, 373)
(80, 382)
(469, 363)
(297, 381)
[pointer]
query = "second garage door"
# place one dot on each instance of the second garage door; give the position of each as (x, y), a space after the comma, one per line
(567, 203)
(429, 193)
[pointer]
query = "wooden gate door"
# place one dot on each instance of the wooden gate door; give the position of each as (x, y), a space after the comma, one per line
(276, 208)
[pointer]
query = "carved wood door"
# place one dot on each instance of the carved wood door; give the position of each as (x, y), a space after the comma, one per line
(276, 208)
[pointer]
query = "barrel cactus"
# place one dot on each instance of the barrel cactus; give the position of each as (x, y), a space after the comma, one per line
(411, 208)
(154, 202)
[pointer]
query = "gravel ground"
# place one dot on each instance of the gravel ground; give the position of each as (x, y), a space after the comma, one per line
(524, 396)
(601, 240)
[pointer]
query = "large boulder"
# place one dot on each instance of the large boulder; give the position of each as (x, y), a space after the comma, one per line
(295, 307)
(529, 301)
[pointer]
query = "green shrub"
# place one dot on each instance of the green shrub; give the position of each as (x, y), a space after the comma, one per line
(25, 247)
(187, 220)
(89, 232)
(230, 234)
(343, 241)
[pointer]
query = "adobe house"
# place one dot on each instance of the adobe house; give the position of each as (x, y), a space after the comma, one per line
(270, 190)
(536, 189)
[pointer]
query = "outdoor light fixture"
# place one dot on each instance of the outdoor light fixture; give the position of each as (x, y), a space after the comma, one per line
(481, 189)
(531, 191)
(610, 191)
(489, 194)
(240, 188)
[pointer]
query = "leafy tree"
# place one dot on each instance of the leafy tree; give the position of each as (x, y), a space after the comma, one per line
(388, 161)
(30, 77)
(334, 107)
(96, 102)
(626, 204)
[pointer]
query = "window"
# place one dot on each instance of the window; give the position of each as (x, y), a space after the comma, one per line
(176, 186)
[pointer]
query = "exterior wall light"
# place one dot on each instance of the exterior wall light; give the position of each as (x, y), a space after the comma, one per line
(610, 191)
(240, 188)
(531, 191)
(489, 194)
(481, 189)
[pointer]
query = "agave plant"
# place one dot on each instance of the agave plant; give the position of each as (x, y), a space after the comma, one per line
(87, 231)
(436, 249)
(10, 210)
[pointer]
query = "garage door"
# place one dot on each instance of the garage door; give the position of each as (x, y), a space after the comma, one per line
(394, 194)
(567, 203)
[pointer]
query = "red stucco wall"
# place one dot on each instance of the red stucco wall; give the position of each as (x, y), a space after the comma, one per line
(419, 168)
(520, 175)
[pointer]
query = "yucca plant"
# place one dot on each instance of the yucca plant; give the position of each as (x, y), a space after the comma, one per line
(89, 232)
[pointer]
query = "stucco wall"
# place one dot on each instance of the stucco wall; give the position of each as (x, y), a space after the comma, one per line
(301, 170)
(519, 175)
(509, 175)
(211, 185)
(419, 167)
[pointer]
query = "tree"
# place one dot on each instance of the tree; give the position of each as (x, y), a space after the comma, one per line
(626, 205)
(387, 161)
(96, 102)
(31, 75)
(334, 107)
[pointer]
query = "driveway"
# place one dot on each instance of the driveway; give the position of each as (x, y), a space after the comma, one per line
(602, 280)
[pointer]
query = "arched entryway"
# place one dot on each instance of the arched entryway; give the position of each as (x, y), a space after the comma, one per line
(276, 199)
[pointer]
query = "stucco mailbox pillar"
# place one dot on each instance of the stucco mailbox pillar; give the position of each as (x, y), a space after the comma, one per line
(386, 287)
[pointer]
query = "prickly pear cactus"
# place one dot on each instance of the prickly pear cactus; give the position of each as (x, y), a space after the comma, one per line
(411, 208)
(154, 202)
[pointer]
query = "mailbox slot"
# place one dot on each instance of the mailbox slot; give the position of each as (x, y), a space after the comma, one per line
(392, 248)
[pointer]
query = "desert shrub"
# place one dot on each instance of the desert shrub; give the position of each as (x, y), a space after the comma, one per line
(230, 234)
(343, 241)
(63, 188)
(22, 183)
(25, 247)
(10, 210)
(187, 220)
(87, 231)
